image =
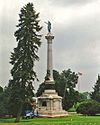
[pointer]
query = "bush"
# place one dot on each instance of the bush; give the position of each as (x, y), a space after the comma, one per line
(73, 109)
(89, 107)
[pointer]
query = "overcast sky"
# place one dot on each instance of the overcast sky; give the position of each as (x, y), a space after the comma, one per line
(76, 27)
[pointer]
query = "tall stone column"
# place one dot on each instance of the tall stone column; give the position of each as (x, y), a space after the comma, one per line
(49, 75)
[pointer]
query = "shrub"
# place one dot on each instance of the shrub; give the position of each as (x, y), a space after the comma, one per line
(89, 107)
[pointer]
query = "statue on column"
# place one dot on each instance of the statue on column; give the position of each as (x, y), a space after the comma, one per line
(48, 26)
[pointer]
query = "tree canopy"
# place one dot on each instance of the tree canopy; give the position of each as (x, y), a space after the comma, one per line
(1, 89)
(4, 102)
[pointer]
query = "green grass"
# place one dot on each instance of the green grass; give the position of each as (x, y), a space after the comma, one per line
(70, 120)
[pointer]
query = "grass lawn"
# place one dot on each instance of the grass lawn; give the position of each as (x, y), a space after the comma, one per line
(70, 120)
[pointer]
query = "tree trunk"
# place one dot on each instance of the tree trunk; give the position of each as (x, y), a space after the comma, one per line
(19, 113)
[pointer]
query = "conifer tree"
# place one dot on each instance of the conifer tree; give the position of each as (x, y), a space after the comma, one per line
(96, 93)
(23, 58)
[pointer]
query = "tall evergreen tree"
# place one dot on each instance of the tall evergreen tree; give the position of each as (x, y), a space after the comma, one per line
(23, 58)
(96, 93)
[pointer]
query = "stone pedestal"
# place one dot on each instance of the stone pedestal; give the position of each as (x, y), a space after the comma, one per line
(49, 103)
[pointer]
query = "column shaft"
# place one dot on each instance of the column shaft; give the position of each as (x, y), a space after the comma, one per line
(49, 38)
(49, 59)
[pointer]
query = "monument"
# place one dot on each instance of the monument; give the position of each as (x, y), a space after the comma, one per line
(49, 103)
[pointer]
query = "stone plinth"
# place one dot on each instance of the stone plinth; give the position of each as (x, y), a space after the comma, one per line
(50, 105)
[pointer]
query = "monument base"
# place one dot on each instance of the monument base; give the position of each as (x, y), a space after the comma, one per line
(50, 105)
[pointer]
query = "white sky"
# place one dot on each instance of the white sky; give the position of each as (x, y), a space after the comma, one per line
(76, 27)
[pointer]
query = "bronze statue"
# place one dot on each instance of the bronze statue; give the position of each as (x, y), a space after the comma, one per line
(48, 26)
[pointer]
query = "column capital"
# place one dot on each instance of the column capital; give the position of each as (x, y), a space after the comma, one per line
(49, 37)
